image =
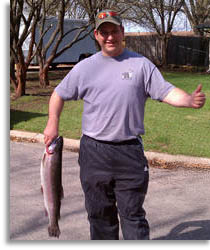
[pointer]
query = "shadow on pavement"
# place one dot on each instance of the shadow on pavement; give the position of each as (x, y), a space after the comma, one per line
(38, 222)
(191, 230)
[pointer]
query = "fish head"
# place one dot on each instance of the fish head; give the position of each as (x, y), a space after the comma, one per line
(55, 146)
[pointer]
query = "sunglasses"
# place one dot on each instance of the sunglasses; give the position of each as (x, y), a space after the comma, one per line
(107, 14)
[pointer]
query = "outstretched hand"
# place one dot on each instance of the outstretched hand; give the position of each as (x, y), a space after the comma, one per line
(198, 98)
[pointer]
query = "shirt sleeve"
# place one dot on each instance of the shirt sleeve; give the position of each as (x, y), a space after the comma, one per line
(68, 87)
(157, 87)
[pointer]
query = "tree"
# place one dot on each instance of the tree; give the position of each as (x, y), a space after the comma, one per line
(90, 8)
(32, 15)
(21, 25)
(58, 33)
(158, 16)
(197, 12)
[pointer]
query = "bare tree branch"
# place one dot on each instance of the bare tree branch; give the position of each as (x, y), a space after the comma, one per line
(197, 12)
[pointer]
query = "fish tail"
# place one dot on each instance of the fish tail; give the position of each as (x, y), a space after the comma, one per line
(54, 231)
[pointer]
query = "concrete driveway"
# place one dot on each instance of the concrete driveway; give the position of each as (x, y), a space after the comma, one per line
(177, 204)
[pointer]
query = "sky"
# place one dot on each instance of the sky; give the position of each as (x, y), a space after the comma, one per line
(181, 24)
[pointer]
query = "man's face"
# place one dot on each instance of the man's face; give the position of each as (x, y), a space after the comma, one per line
(110, 37)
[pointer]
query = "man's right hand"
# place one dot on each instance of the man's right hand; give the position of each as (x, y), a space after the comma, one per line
(50, 133)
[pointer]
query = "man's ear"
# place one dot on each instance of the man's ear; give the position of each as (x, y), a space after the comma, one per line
(95, 33)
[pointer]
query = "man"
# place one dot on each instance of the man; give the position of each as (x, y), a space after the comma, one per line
(114, 85)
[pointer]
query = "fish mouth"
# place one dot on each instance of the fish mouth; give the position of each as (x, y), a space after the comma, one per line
(49, 151)
(55, 145)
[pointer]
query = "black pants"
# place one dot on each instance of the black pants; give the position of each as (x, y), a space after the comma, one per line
(114, 179)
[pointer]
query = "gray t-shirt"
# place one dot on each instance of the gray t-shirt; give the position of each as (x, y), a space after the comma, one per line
(114, 91)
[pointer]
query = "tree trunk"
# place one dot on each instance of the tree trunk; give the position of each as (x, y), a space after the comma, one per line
(19, 81)
(43, 76)
(12, 74)
(164, 42)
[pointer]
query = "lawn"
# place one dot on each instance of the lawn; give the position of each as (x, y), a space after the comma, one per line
(168, 129)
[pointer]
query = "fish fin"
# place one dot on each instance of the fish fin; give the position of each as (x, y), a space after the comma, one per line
(62, 193)
(46, 213)
(42, 190)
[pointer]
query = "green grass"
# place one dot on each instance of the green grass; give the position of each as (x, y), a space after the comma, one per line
(179, 130)
(168, 129)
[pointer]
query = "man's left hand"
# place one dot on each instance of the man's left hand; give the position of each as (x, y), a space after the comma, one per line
(198, 98)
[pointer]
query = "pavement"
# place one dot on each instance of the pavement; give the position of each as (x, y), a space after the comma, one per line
(177, 203)
(162, 160)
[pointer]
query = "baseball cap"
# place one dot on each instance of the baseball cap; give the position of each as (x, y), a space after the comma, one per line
(107, 16)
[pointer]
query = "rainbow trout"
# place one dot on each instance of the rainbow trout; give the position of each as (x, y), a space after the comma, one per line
(51, 184)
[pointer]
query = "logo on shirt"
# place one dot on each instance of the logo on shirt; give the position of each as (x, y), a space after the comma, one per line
(128, 75)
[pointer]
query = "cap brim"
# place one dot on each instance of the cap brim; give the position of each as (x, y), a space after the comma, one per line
(107, 21)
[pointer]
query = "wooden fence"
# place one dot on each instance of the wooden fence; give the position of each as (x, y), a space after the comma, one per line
(182, 50)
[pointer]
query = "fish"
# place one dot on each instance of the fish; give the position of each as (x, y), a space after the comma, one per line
(51, 184)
